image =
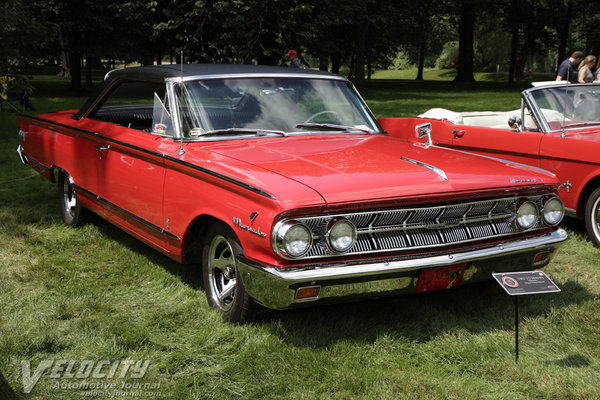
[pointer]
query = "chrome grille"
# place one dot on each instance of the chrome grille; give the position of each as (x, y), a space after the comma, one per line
(422, 227)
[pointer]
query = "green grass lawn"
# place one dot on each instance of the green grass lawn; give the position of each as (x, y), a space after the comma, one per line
(95, 293)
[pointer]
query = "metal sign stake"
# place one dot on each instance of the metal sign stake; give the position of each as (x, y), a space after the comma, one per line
(516, 329)
(516, 284)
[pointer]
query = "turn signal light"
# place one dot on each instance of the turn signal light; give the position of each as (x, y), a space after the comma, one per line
(306, 293)
(541, 257)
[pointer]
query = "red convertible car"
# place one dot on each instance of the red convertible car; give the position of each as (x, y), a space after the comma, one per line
(557, 128)
(285, 190)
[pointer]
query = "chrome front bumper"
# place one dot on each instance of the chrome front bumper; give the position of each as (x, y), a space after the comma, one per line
(276, 288)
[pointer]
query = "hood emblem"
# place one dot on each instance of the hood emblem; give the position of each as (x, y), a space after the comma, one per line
(435, 170)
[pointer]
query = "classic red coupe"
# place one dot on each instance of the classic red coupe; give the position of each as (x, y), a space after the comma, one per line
(285, 190)
(557, 128)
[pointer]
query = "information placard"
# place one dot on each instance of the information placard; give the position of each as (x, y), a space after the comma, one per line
(522, 283)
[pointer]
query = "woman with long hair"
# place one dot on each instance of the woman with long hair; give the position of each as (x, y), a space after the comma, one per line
(585, 74)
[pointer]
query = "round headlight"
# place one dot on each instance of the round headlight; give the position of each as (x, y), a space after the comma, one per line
(553, 211)
(341, 235)
(527, 214)
(294, 239)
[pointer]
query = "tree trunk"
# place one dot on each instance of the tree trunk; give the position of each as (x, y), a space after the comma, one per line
(563, 23)
(514, 44)
(323, 61)
(466, 31)
(75, 64)
(147, 59)
(65, 70)
(336, 62)
(89, 64)
(422, 50)
(359, 54)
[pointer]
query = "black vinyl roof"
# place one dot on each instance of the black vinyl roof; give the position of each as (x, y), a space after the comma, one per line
(158, 73)
(175, 70)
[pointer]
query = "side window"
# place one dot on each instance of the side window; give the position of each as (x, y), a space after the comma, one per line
(134, 105)
(529, 123)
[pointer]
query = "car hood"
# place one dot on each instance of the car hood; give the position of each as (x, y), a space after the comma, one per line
(365, 168)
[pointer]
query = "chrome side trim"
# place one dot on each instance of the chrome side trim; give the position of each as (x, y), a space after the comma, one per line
(161, 156)
(275, 287)
(438, 171)
(538, 169)
(128, 213)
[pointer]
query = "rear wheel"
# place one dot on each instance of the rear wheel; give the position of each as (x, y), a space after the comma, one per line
(592, 217)
(222, 282)
(71, 211)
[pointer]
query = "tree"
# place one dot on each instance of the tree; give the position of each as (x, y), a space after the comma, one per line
(466, 29)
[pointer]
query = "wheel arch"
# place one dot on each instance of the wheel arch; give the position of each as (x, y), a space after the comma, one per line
(585, 193)
(194, 236)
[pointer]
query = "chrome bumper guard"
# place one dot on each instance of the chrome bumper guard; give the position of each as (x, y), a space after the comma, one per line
(276, 288)
(21, 155)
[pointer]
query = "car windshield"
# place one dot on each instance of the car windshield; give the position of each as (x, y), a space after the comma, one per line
(571, 106)
(270, 105)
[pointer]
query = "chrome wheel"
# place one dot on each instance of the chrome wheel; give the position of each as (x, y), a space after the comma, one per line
(225, 290)
(71, 211)
(69, 197)
(222, 273)
(592, 217)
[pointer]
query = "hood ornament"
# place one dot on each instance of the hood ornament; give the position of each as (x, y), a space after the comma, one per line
(436, 170)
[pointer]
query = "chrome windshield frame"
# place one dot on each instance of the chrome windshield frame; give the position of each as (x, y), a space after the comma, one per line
(537, 114)
(175, 115)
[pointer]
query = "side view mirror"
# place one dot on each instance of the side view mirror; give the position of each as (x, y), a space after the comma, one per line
(424, 130)
(515, 123)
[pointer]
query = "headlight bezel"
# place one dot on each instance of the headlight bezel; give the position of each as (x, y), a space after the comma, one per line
(524, 203)
(545, 204)
(282, 239)
(330, 239)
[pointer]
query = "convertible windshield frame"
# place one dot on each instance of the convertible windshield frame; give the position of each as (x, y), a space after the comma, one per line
(353, 102)
(553, 114)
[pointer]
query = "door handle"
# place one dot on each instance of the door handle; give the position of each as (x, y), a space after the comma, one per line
(101, 149)
(458, 133)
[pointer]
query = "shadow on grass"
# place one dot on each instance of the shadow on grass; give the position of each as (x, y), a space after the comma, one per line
(191, 275)
(481, 307)
(571, 361)
(6, 392)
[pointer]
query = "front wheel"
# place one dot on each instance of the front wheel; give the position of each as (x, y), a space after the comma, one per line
(592, 217)
(224, 288)
(71, 211)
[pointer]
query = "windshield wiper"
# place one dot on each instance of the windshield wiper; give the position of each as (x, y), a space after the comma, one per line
(335, 127)
(197, 132)
(581, 124)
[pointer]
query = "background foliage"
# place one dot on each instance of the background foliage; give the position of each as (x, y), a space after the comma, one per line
(362, 35)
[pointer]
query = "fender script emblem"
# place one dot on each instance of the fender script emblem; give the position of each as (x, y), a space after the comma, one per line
(530, 180)
(238, 222)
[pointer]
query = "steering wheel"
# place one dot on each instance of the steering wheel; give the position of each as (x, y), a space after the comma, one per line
(324, 112)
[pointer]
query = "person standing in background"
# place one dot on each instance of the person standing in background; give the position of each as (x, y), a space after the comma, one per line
(292, 55)
(585, 74)
(566, 70)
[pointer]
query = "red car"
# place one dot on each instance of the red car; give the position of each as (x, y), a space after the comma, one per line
(284, 189)
(557, 128)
